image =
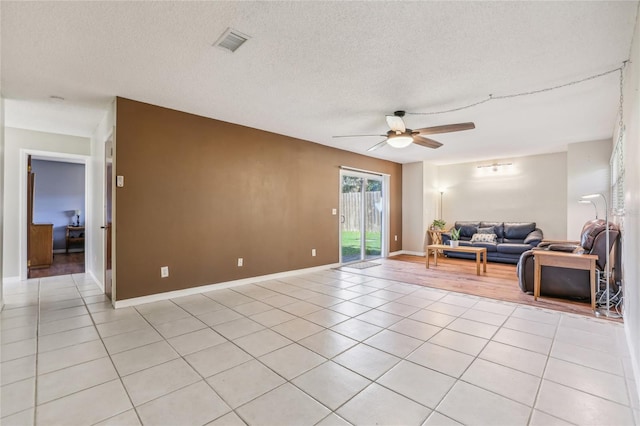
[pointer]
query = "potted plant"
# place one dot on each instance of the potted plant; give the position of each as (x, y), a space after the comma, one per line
(438, 224)
(455, 237)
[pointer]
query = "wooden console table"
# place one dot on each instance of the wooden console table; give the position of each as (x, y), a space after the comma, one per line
(480, 252)
(564, 260)
(75, 234)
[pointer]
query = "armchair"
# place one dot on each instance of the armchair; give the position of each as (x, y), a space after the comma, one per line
(563, 282)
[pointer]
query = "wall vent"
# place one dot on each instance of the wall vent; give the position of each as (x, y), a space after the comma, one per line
(231, 40)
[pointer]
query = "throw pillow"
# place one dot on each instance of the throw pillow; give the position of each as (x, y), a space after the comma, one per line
(484, 238)
(488, 230)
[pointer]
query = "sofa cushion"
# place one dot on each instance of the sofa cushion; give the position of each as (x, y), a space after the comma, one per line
(487, 230)
(484, 238)
(513, 248)
(518, 230)
(467, 229)
(491, 247)
(498, 228)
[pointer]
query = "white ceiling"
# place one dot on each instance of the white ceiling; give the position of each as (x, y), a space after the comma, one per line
(316, 69)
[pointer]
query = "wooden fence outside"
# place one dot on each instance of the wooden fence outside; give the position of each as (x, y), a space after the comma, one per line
(351, 211)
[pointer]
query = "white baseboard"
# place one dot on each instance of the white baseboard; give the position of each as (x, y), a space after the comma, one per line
(96, 280)
(219, 286)
(409, 252)
(413, 253)
(635, 366)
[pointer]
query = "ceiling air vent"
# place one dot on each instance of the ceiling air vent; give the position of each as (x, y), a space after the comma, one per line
(231, 40)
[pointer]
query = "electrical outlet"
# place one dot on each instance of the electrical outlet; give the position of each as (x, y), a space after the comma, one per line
(240, 261)
(396, 238)
(313, 252)
(164, 271)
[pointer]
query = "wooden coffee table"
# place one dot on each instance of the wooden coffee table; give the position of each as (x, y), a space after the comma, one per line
(480, 252)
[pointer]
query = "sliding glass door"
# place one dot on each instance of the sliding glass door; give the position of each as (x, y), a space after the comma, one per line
(361, 220)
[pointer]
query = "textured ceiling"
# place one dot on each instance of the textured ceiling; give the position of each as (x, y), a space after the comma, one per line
(316, 69)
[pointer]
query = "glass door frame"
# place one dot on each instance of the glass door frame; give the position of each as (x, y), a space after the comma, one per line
(384, 237)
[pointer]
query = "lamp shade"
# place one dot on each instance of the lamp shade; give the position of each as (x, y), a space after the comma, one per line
(78, 212)
(586, 197)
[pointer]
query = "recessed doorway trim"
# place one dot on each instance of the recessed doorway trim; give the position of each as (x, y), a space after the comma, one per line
(22, 197)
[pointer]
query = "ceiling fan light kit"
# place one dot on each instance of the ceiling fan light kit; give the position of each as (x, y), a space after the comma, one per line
(401, 137)
(400, 141)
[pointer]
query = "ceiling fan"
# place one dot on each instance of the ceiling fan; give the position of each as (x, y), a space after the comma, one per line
(400, 137)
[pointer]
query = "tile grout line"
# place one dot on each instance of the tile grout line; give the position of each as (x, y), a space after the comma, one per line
(35, 390)
(328, 328)
(112, 364)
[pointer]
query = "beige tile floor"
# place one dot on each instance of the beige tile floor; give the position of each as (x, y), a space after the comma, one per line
(329, 348)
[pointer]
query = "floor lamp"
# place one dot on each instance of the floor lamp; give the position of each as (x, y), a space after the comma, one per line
(441, 193)
(607, 272)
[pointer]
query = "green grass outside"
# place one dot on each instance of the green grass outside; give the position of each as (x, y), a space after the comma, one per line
(351, 244)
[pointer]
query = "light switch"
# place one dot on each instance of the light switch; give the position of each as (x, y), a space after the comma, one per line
(120, 181)
(334, 211)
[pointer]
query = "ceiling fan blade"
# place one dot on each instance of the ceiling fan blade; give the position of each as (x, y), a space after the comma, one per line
(355, 136)
(426, 142)
(378, 145)
(446, 128)
(396, 123)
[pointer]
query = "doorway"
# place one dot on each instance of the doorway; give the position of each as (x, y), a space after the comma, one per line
(362, 216)
(25, 221)
(108, 223)
(56, 200)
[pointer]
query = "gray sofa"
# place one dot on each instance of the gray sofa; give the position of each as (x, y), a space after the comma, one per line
(512, 239)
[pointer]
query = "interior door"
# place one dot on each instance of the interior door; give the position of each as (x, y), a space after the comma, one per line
(361, 220)
(30, 190)
(108, 202)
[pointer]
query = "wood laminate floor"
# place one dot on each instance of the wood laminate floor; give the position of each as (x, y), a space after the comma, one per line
(499, 282)
(63, 264)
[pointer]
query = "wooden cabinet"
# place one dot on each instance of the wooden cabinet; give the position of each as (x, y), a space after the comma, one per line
(41, 245)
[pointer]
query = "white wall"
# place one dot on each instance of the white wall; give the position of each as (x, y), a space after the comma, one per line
(17, 140)
(588, 172)
(413, 226)
(532, 189)
(431, 198)
(631, 220)
(96, 240)
(420, 204)
(1, 195)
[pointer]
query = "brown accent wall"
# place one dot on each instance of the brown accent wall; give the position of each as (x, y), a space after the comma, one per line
(200, 193)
